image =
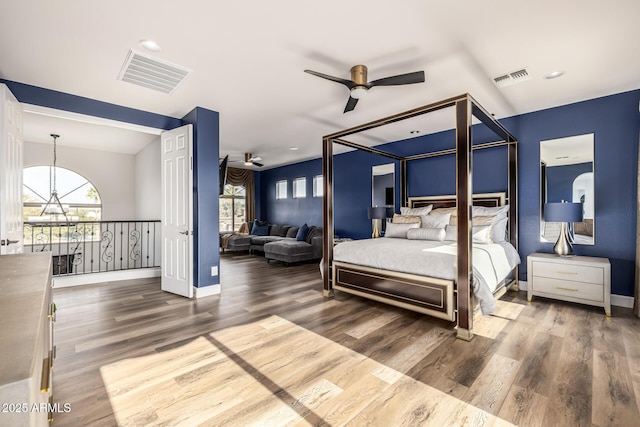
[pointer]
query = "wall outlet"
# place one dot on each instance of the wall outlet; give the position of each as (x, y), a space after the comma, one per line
(214, 270)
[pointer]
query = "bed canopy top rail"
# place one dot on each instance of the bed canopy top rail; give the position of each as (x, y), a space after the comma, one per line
(465, 109)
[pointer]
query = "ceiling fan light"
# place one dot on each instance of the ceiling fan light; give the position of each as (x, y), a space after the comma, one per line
(248, 163)
(358, 92)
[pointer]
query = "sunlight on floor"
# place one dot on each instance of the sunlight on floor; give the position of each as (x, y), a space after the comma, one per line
(273, 373)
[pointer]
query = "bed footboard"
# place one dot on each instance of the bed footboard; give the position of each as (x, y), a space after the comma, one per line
(418, 293)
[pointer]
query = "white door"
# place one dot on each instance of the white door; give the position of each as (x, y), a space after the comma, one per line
(10, 173)
(176, 205)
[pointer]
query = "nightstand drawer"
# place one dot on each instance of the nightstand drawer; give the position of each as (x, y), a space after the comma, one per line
(564, 271)
(586, 291)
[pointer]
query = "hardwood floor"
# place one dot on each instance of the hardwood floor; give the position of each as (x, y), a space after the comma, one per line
(272, 351)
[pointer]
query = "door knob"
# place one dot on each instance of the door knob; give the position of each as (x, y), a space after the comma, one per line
(8, 242)
(186, 233)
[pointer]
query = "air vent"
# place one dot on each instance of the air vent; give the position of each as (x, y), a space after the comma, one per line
(152, 73)
(512, 78)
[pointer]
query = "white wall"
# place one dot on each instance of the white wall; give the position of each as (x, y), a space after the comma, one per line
(113, 174)
(147, 181)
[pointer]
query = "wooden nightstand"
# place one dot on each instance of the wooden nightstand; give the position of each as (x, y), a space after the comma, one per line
(582, 279)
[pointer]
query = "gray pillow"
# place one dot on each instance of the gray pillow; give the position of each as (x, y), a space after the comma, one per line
(314, 232)
(292, 232)
(435, 221)
(436, 234)
(499, 211)
(399, 231)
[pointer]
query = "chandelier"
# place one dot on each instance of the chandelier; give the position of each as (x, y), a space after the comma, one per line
(54, 210)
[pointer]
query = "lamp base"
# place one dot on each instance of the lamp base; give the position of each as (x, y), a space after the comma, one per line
(563, 246)
(377, 225)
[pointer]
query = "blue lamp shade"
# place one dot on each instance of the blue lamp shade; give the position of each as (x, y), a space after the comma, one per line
(378, 212)
(563, 212)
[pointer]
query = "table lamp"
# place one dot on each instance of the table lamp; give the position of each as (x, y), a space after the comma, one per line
(564, 213)
(377, 214)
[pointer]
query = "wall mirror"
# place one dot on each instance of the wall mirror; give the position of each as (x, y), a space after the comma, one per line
(567, 174)
(383, 185)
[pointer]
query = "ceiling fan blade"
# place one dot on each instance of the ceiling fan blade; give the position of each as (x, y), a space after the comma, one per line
(347, 83)
(257, 164)
(256, 158)
(351, 104)
(401, 79)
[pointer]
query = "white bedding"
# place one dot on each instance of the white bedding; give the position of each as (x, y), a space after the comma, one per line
(491, 262)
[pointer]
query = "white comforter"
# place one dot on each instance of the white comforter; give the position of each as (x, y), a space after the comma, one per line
(491, 262)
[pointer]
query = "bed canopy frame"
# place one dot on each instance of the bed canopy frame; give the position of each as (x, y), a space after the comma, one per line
(465, 109)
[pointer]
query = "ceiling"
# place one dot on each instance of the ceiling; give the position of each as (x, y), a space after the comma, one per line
(248, 62)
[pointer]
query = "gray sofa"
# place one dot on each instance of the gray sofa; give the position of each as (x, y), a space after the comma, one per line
(280, 244)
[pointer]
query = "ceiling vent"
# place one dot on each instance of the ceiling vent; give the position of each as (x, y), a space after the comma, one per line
(152, 73)
(512, 78)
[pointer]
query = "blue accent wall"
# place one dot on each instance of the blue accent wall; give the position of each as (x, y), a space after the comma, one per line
(614, 120)
(206, 151)
(206, 181)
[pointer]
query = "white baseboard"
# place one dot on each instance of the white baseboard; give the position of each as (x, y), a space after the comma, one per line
(207, 291)
(617, 300)
(107, 276)
(621, 301)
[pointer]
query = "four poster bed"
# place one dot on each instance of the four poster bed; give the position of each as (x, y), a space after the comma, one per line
(435, 278)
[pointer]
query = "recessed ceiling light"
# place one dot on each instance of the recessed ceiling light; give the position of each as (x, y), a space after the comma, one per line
(554, 75)
(293, 148)
(414, 132)
(150, 45)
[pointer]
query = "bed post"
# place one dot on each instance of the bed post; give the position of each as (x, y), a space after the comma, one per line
(403, 183)
(512, 194)
(327, 217)
(464, 201)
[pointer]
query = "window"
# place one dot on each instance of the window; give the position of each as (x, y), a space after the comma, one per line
(79, 198)
(281, 190)
(300, 188)
(233, 203)
(317, 186)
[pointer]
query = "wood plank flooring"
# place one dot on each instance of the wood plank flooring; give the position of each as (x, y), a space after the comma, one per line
(272, 351)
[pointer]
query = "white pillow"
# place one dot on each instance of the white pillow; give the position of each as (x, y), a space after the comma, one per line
(499, 211)
(435, 221)
(404, 210)
(436, 234)
(500, 230)
(480, 233)
(399, 231)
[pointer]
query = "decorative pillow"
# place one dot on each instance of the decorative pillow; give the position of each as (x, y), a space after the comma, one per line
(301, 236)
(260, 230)
(451, 233)
(435, 221)
(399, 231)
(404, 210)
(406, 219)
(500, 230)
(276, 230)
(443, 211)
(499, 211)
(292, 232)
(481, 233)
(422, 212)
(436, 234)
(313, 232)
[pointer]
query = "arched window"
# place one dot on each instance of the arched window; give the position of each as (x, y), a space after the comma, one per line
(80, 199)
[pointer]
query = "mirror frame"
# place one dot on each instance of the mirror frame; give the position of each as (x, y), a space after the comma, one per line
(384, 169)
(570, 142)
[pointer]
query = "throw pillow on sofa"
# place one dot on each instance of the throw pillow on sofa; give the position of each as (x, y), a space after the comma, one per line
(292, 232)
(301, 236)
(260, 230)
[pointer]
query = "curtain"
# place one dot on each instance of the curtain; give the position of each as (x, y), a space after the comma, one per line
(636, 298)
(244, 177)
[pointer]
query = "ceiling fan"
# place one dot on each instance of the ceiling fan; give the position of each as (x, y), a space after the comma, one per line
(359, 86)
(250, 160)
